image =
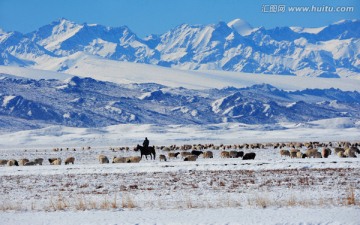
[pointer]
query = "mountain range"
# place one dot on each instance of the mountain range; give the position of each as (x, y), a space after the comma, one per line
(86, 102)
(331, 51)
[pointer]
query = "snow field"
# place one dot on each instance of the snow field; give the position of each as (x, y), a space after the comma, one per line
(267, 181)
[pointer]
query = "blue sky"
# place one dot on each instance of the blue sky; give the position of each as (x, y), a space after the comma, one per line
(146, 17)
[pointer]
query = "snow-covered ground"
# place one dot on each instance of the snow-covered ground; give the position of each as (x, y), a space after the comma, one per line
(126, 73)
(229, 216)
(268, 190)
(226, 133)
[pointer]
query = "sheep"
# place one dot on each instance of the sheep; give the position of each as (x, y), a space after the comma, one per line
(162, 157)
(119, 159)
(293, 153)
(103, 159)
(325, 152)
(240, 154)
(284, 153)
(355, 149)
(185, 154)
(133, 159)
(232, 154)
(337, 150)
(22, 162)
(30, 163)
(12, 162)
(341, 154)
(294, 150)
(57, 161)
(39, 161)
(191, 158)
(52, 160)
(318, 155)
(235, 154)
(166, 149)
(350, 152)
(250, 155)
(225, 154)
(197, 153)
(299, 155)
(69, 160)
(3, 162)
(173, 155)
(208, 154)
(312, 153)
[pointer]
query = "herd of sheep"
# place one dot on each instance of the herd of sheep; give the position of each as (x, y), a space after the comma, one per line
(193, 152)
(37, 161)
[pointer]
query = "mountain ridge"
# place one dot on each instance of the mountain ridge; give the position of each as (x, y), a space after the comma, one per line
(333, 51)
(86, 102)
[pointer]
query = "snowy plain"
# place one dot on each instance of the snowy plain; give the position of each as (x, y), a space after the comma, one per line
(267, 190)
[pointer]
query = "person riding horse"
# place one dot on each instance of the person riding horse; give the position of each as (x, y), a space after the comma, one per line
(146, 143)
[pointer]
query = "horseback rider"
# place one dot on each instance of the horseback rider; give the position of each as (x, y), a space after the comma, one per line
(146, 143)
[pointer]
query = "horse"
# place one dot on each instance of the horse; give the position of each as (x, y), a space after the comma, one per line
(146, 151)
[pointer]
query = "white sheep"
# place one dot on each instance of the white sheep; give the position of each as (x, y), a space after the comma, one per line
(299, 155)
(312, 153)
(350, 152)
(12, 162)
(22, 162)
(208, 155)
(57, 161)
(133, 159)
(341, 154)
(119, 159)
(103, 159)
(225, 154)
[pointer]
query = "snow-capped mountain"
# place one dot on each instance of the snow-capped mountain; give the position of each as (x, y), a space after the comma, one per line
(330, 51)
(85, 102)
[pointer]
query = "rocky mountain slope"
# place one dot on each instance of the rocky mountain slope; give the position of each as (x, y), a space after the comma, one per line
(85, 102)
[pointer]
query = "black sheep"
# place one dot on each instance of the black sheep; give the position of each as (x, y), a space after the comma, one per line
(240, 154)
(197, 153)
(248, 156)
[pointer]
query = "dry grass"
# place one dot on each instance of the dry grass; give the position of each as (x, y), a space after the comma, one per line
(105, 204)
(127, 202)
(262, 202)
(59, 203)
(84, 202)
(189, 204)
(80, 204)
(225, 189)
(292, 201)
(10, 206)
(350, 198)
(113, 204)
